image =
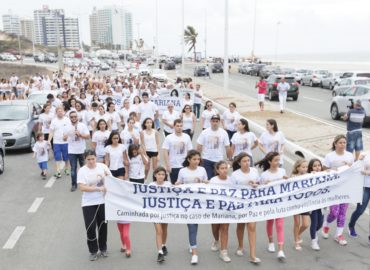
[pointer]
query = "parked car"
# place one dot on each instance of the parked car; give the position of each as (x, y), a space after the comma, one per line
(345, 99)
(241, 66)
(273, 81)
(331, 80)
(177, 59)
(217, 68)
(255, 69)
(266, 71)
(144, 70)
(299, 73)
(352, 74)
(8, 57)
(104, 66)
(159, 74)
(200, 71)
(50, 58)
(287, 71)
(2, 154)
(246, 68)
(133, 71)
(39, 58)
(349, 82)
(169, 65)
(313, 78)
(40, 97)
(19, 123)
(121, 69)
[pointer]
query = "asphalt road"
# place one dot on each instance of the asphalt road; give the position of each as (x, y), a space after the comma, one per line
(54, 235)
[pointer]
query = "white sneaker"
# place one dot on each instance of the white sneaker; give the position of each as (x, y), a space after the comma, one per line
(281, 255)
(271, 247)
(214, 246)
(194, 259)
(325, 232)
(224, 256)
(315, 244)
(340, 239)
(239, 252)
(190, 250)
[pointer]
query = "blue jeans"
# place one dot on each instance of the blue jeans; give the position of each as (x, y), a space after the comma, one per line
(354, 141)
(210, 168)
(174, 174)
(193, 231)
(317, 220)
(196, 110)
(361, 207)
(73, 159)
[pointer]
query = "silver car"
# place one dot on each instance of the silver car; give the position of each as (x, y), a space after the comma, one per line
(346, 83)
(19, 123)
(313, 78)
(331, 80)
(2, 154)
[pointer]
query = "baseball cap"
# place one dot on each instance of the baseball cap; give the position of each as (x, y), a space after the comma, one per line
(215, 117)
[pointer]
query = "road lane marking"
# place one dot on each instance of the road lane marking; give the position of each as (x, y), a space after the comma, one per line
(50, 182)
(35, 205)
(14, 237)
(313, 99)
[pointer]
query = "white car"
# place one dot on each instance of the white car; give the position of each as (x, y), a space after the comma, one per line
(144, 70)
(352, 74)
(159, 74)
(313, 78)
(331, 80)
(345, 99)
(350, 82)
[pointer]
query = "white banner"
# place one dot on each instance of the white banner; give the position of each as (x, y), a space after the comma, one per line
(116, 99)
(162, 102)
(207, 203)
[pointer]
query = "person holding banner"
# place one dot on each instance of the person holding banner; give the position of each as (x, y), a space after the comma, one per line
(175, 148)
(243, 174)
(168, 118)
(221, 231)
(188, 121)
(149, 138)
(137, 162)
(90, 179)
(272, 172)
(209, 111)
(192, 173)
(337, 158)
(160, 179)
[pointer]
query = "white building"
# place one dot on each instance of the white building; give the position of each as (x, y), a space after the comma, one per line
(27, 29)
(111, 27)
(11, 24)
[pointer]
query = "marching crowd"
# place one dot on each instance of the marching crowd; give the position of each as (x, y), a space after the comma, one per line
(81, 124)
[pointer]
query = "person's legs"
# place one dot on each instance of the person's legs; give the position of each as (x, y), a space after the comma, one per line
(65, 157)
(216, 231)
(305, 223)
(240, 227)
(358, 144)
(314, 220)
(73, 161)
(333, 214)
(164, 233)
(251, 228)
(280, 232)
(209, 166)
(350, 146)
(224, 236)
(341, 218)
(193, 231)
(90, 225)
(120, 230)
(158, 236)
(174, 175)
(297, 224)
(102, 228)
(126, 236)
(361, 207)
(269, 226)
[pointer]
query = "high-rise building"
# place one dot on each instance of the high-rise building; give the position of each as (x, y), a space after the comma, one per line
(111, 27)
(11, 24)
(27, 29)
(52, 27)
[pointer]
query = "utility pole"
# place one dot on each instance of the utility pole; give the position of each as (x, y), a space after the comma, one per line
(156, 33)
(19, 48)
(205, 35)
(60, 58)
(183, 40)
(226, 39)
(254, 29)
(277, 41)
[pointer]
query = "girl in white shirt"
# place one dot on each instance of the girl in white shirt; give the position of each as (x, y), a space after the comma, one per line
(116, 156)
(137, 162)
(99, 139)
(102, 115)
(149, 138)
(272, 172)
(40, 151)
(243, 141)
(188, 121)
(243, 174)
(129, 135)
(45, 119)
(272, 140)
(230, 120)
(114, 116)
(220, 231)
(209, 111)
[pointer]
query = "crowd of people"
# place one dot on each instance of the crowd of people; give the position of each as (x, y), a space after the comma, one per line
(78, 128)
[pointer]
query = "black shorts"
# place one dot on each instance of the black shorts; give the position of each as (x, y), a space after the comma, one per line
(151, 154)
(139, 181)
(118, 173)
(305, 214)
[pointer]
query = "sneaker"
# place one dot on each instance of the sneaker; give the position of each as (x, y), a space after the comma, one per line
(325, 232)
(224, 256)
(194, 259)
(190, 250)
(271, 247)
(239, 252)
(214, 246)
(93, 257)
(57, 175)
(104, 254)
(73, 188)
(352, 232)
(340, 239)
(255, 260)
(128, 254)
(165, 250)
(44, 176)
(315, 244)
(197, 119)
(281, 255)
(160, 258)
(67, 171)
(297, 246)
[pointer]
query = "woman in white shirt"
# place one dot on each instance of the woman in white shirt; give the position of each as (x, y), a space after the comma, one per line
(230, 119)
(245, 175)
(192, 173)
(187, 100)
(137, 160)
(188, 121)
(209, 111)
(243, 141)
(149, 138)
(99, 139)
(135, 104)
(168, 117)
(45, 119)
(339, 157)
(102, 115)
(90, 179)
(221, 231)
(272, 172)
(129, 135)
(114, 116)
(116, 156)
(272, 140)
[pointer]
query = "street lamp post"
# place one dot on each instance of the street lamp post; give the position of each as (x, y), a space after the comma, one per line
(19, 48)
(183, 40)
(226, 39)
(254, 29)
(156, 33)
(277, 41)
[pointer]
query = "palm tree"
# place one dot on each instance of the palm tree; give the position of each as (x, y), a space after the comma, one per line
(190, 37)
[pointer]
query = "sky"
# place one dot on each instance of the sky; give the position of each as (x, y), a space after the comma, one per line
(306, 26)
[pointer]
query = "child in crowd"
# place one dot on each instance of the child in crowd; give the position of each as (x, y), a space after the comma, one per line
(40, 151)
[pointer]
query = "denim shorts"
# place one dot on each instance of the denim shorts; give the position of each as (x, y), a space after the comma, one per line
(61, 152)
(354, 141)
(43, 165)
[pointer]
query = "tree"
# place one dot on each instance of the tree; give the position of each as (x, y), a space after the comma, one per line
(190, 37)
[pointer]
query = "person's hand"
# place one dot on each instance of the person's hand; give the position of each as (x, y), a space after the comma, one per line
(65, 137)
(363, 173)
(168, 168)
(253, 184)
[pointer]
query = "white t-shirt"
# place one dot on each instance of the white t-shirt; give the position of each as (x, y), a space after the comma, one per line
(241, 178)
(92, 117)
(207, 115)
(100, 137)
(115, 156)
(128, 137)
(187, 176)
(165, 184)
(58, 126)
(170, 117)
(198, 96)
(92, 177)
(334, 161)
(116, 119)
(41, 150)
(367, 167)
(272, 142)
(243, 142)
(217, 181)
(45, 120)
(147, 110)
(178, 147)
(187, 121)
(105, 116)
(213, 144)
(136, 168)
(76, 145)
(124, 113)
(268, 176)
(150, 141)
(230, 119)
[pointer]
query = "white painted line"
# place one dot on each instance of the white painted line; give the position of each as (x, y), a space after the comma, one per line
(14, 237)
(313, 99)
(35, 205)
(50, 182)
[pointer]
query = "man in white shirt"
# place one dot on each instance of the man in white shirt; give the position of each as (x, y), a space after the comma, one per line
(13, 83)
(147, 109)
(198, 94)
(283, 88)
(211, 143)
(175, 148)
